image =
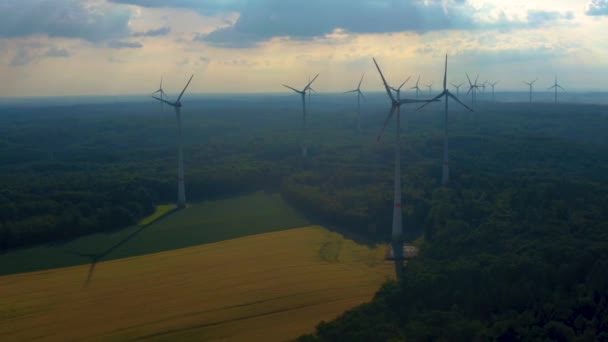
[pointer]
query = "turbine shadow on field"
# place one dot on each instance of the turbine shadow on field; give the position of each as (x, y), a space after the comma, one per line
(96, 257)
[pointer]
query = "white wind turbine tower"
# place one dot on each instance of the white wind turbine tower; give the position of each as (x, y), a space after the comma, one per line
(555, 85)
(416, 87)
(457, 86)
(530, 85)
(397, 227)
(359, 95)
(177, 105)
(445, 175)
(493, 85)
(303, 95)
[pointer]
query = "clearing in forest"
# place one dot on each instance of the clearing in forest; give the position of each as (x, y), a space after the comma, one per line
(203, 222)
(266, 287)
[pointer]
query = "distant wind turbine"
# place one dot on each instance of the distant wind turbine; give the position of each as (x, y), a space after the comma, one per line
(303, 95)
(359, 96)
(416, 87)
(493, 85)
(457, 86)
(398, 89)
(445, 175)
(430, 86)
(473, 89)
(483, 87)
(397, 228)
(555, 85)
(177, 105)
(310, 90)
(161, 92)
(530, 84)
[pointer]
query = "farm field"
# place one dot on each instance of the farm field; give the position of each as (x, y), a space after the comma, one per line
(203, 222)
(266, 287)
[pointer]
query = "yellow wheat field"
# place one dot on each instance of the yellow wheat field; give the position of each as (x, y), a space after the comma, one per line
(267, 287)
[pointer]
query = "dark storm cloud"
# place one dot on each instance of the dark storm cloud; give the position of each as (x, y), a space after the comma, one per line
(118, 44)
(315, 18)
(163, 31)
(597, 7)
(62, 18)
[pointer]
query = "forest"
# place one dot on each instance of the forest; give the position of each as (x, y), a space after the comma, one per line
(514, 248)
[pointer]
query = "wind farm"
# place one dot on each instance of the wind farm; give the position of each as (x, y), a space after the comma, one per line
(408, 213)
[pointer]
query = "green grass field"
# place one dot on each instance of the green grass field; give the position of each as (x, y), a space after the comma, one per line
(160, 211)
(267, 287)
(205, 222)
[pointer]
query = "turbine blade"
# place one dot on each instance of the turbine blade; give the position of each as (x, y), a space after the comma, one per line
(294, 89)
(309, 83)
(388, 118)
(351, 91)
(561, 87)
(361, 93)
(457, 100)
(405, 101)
(183, 91)
(388, 91)
(476, 78)
(436, 98)
(165, 101)
(469, 79)
(359, 86)
(404, 82)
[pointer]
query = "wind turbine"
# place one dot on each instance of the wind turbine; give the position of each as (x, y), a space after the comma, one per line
(398, 90)
(161, 92)
(430, 86)
(457, 88)
(416, 87)
(310, 89)
(493, 85)
(303, 94)
(473, 89)
(445, 175)
(555, 85)
(177, 105)
(530, 84)
(397, 228)
(483, 87)
(359, 95)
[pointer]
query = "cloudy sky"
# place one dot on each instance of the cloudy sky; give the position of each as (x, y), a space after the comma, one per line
(103, 47)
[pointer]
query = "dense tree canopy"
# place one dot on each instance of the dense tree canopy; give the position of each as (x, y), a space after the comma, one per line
(516, 247)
